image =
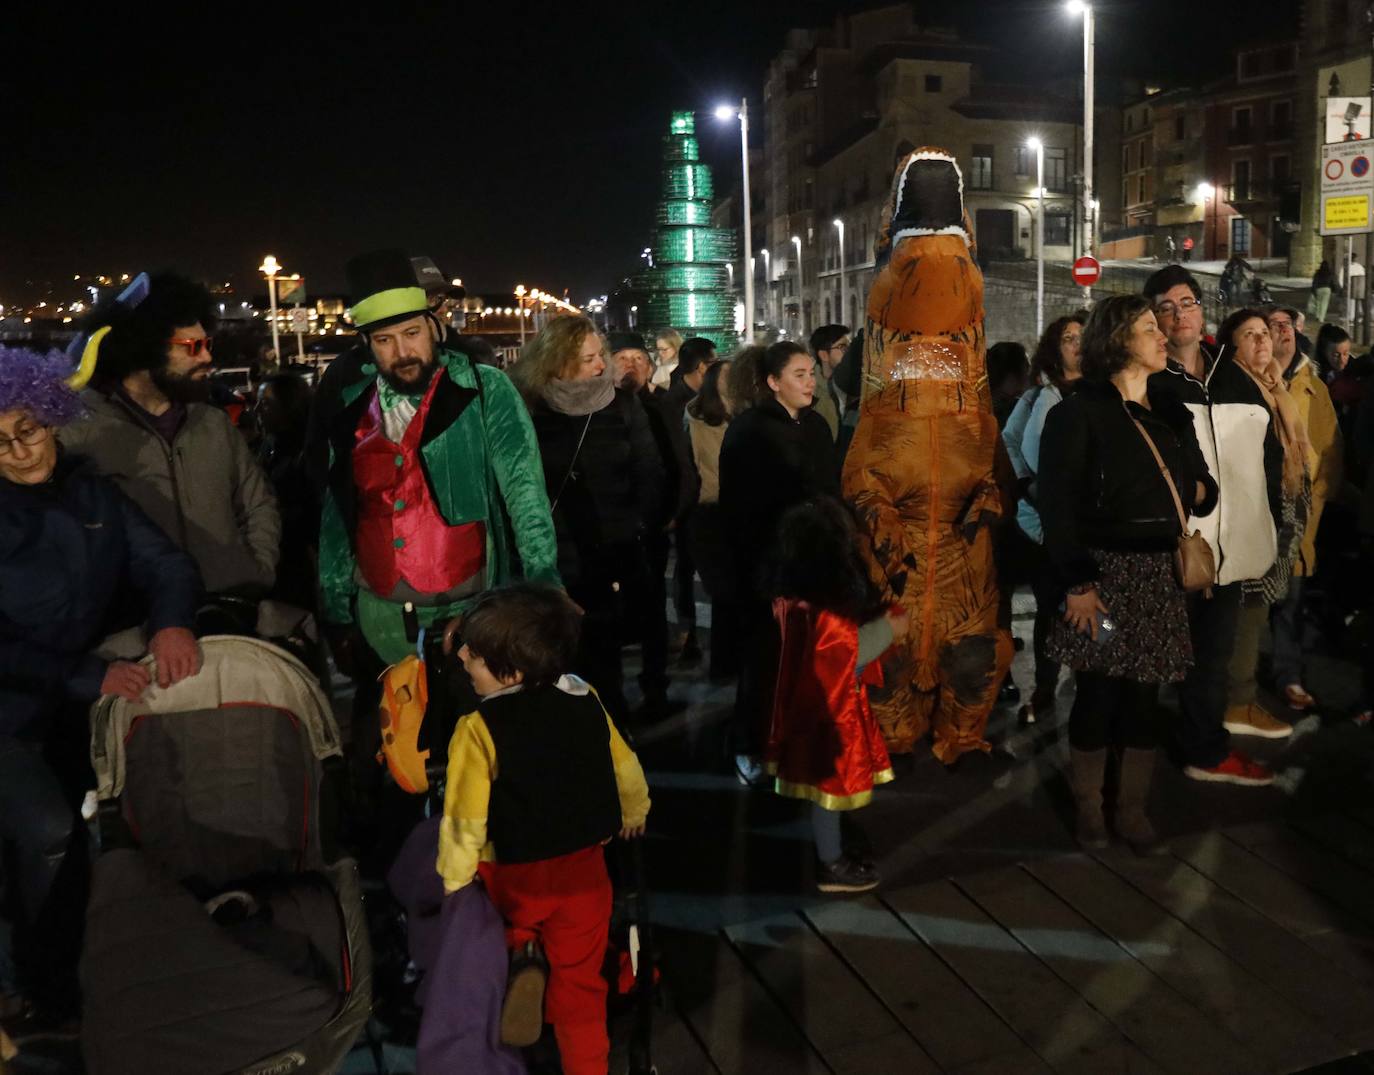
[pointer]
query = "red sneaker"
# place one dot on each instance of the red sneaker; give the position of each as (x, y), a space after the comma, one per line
(1235, 768)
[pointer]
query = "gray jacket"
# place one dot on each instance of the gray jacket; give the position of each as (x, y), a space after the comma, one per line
(204, 489)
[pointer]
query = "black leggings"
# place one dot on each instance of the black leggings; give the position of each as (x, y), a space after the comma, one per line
(1111, 711)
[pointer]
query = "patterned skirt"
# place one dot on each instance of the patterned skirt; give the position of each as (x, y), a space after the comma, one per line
(1150, 643)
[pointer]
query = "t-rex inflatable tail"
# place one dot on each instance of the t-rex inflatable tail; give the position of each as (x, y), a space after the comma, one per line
(926, 470)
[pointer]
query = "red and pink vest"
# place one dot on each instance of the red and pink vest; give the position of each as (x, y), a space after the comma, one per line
(401, 532)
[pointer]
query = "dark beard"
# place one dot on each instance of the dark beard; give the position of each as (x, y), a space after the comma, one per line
(411, 388)
(180, 388)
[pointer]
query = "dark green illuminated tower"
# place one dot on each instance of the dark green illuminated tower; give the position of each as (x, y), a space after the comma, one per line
(688, 287)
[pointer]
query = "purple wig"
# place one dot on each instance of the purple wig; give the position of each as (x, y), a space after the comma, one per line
(37, 383)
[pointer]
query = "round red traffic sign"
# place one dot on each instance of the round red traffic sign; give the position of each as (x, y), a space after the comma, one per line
(1086, 271)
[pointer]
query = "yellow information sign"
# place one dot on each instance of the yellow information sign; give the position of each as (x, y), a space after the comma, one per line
(1351, 211)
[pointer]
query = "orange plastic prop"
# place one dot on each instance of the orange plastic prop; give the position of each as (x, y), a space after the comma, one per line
(405, 693)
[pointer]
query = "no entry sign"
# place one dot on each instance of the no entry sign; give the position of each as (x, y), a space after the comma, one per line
(1086, 271)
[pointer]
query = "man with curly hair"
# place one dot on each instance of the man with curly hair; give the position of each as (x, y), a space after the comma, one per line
(181, 460)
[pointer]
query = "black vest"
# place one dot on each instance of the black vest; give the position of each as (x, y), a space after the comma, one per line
(555, 789)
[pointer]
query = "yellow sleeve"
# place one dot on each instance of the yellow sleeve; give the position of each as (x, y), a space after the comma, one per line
(463, 830)
(629, 780)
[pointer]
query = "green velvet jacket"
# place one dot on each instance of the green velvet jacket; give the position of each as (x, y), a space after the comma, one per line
(482, 460)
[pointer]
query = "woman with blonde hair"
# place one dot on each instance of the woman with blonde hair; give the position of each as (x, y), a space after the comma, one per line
(666, 344)
(604, 479)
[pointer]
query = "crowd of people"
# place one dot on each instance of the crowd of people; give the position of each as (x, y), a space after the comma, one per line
(541, 507)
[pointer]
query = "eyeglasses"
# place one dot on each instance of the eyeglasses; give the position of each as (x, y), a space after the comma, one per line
(1173, 309)
(29, 437)
(1280, 325)
(195, 348)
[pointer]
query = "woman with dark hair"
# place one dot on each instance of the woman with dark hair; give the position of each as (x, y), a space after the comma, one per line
(708, 415)
(775, 454)
(1055, 369)
(71, 544)
(1323, 283)
(1246, 337)
(1346, 379)
(1111, 526)
(604, 478)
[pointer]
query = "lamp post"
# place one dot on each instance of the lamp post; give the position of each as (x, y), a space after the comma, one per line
(520, 300)
(270, 268)
(1206, 192)
(1081, 7)
(767, 283)
(1039, 147)
(839, 227)
(726, 112)
(801, 301)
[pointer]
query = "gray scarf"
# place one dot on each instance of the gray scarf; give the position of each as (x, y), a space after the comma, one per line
(580, 398)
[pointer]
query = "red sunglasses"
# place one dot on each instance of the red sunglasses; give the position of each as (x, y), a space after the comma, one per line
(196, 347)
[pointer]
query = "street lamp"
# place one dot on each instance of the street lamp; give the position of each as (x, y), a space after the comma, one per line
(726, 112)
(839, 227)
(1039, 147)
(801, 302)
(270, 268)
(520, 299)
(1207, 192)
(767, 282)
(1080, 7)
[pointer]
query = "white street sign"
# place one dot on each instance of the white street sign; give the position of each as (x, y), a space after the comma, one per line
(1347, 190)
(300, 319)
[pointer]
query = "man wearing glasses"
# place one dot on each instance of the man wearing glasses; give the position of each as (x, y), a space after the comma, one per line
(181, 460)
(1231, 418)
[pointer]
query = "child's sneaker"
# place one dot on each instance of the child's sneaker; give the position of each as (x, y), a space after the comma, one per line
(522, 1014)
(846, 874)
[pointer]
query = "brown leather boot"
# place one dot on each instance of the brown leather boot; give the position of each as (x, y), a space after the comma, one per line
(1133, 788)
(1086, 771)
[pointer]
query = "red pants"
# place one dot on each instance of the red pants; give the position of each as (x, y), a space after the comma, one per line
(565, 904)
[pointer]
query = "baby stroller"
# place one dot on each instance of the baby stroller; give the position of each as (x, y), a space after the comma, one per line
(223, 933)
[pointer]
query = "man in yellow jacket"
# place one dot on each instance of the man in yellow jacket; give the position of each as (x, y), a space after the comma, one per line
(1324, 465)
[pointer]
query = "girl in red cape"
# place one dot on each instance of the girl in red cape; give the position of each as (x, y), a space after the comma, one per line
(824, 745)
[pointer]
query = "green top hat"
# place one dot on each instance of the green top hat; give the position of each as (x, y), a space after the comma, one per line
(386, 291)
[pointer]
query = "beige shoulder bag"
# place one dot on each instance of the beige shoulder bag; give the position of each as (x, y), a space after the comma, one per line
(1195, 566)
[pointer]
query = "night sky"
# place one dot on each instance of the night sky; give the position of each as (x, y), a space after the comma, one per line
(518, 145)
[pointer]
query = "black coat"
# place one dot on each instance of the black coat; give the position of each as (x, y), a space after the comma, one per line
(1099, 486)
(769, 462)
(613, 492)
(672, 408)
(68, 549)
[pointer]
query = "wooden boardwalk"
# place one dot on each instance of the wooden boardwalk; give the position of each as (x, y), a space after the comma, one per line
(1248, 950)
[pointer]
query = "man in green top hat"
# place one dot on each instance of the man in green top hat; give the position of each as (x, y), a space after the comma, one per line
(429, 456)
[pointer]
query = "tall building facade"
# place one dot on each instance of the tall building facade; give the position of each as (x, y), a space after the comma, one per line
(843, 104)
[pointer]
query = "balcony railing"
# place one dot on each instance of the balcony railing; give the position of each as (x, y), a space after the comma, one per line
(1257, 190)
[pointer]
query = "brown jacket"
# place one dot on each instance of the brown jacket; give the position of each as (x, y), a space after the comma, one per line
(1325, 454)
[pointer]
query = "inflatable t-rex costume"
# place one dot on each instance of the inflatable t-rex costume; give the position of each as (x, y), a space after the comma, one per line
(926, 470)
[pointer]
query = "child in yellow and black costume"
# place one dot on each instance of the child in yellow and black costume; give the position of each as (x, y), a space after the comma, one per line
(538, 780)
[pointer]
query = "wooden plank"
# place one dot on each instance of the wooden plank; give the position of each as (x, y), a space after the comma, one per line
(1049, 1016)
(953, 1025)
(1108, 977)
(844, 1022)
(739, 1024)
(1222, 990)
(674, 1048)
(1341, 834)
(1272, 954)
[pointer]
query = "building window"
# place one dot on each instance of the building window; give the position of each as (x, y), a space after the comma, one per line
(1279, 169)
(1140, 189)
(1023, 160)
(934, 83)
(1056, 169)
(980, 174)
(1180, 129)
(811, 80)
(1126, 191)
(1125, 158)
(1240, 236)
(1240, 178)
(1057, 228)
(1250, 66)
(1240, 119)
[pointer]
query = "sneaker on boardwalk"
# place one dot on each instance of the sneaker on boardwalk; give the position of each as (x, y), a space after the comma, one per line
(1235, 768)
(1255, 720)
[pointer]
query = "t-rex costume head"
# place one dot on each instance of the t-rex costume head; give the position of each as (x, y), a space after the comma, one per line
(921, 468)
(925, 311)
